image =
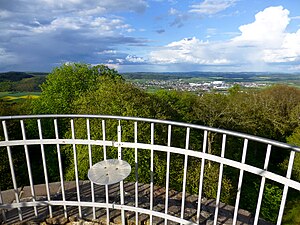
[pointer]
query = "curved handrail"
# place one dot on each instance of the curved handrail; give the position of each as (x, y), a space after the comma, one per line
(242, 166)
(168, 122)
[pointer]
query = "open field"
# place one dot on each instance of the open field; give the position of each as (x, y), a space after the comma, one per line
(18, 96)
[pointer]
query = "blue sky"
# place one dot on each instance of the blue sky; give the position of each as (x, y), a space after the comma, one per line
(153, 35)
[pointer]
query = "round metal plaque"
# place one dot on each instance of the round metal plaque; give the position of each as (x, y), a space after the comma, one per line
(109, 171)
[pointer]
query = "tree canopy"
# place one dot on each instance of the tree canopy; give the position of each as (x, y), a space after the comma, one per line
(67, 83)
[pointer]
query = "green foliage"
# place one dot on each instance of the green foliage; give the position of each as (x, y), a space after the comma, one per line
(18, 155)
(271, 202)
(294, 139)
(84, 89)
(67, 83)
(291, 214)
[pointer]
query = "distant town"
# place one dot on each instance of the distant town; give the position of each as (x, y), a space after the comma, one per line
(180, 85)
(200, 82)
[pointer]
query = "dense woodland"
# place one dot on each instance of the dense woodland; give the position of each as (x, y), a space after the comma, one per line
(273, 113)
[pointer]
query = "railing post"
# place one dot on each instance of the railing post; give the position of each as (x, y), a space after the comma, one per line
(61, 174)
(136, 172)
(76, 167)
(12, 171)
(201, 177)
(44, 166)
(262, 185)
(220, 180)
(238, 194)
(168, 172)
(28, 167)
(121, 182)
(106, 186)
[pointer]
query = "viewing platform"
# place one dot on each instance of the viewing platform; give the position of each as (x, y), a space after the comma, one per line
(159, 193)
(152, 148)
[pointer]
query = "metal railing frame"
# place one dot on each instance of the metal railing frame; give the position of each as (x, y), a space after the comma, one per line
(168, 149)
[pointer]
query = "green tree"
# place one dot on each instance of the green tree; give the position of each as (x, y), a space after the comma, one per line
(67, 83)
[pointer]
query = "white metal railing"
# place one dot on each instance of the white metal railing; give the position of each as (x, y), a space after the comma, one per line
(185, 151)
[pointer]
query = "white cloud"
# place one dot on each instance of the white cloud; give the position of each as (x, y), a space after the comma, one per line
(269, 37)
(261, 43)
(110, 51)
(209, 7)
(268, 27)
(8, 58)
(188, 50)
(5, 14)
(173, 11)
(288, 51)
(44, 32)
(89, 26)
(120, 60)
(113, 66)
(108, 5)
(134, 59)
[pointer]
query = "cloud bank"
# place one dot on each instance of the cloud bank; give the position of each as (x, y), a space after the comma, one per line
(40, 34)
(45, 33)
(260, 44)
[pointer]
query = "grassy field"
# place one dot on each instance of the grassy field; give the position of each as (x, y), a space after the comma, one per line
(18, 96)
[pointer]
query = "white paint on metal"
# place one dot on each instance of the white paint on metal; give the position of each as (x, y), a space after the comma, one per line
(104, 156)
(286, 181)
(121, 182)
(99, 205)
(238, 194)
(88, 131)
(201, 177)
(286, 187)
(262, 186)
(168, 172)
(185, 167)
(61, 174)
(12, 171)
(220, 181)
(28, 166)
(201, 127)
(136, 184)
(151, 171)
(44, 166)
(76, 167)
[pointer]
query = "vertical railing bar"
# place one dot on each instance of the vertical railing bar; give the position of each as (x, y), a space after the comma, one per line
(45, 166)
(201, 177)
(220, 181)
(61, 174)
(88, 130)
(238, 195)
(262, 185)
(121, 182)
(187, 140)
(104, 139)
(12, 170)
(136, 173)
(2, 210)
(167, 173)
(151, 172)
(285, 189)
(76, 166)
(28, 167)
(105, 157)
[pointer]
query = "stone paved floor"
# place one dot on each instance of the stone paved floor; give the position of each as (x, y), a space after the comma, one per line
(207, 210)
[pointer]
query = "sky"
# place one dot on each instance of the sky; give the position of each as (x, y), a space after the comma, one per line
(151, 35)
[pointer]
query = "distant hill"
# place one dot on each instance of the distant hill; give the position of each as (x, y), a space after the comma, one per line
(14, 76)
(21, 81)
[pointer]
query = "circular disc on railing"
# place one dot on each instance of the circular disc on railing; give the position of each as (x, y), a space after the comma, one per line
(109, 171)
